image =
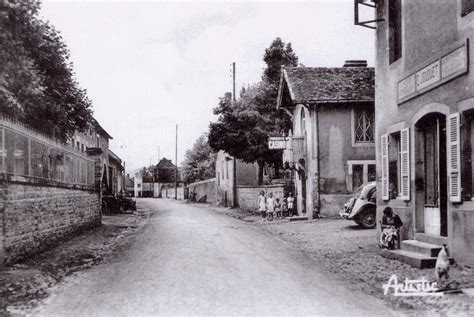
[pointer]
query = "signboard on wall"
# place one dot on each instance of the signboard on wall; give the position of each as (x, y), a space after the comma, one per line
(278, 143)
(442, 70)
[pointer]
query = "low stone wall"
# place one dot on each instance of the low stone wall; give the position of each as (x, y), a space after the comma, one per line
(247, 195)
(332, 204)
(206, 187)
(36, 216)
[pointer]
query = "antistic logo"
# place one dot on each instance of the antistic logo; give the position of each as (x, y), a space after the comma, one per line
(420, 287)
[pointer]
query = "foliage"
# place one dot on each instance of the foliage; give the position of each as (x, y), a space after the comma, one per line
(199, 162)
(147, 173)
(37, 84)
(243, 128)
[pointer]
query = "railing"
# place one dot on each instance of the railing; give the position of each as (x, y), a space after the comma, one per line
(24, 152)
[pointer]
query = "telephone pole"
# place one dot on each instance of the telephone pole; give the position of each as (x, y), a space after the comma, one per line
(233, 81)
(234, 165)
(176, 166)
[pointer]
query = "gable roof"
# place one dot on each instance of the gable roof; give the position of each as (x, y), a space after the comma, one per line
(327, 85)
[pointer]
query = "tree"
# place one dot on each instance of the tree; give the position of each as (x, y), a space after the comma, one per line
(199, 162)
(37, 82)
(243, 128)
(147, 173)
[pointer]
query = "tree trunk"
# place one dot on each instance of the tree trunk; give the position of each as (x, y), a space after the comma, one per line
(260, 173)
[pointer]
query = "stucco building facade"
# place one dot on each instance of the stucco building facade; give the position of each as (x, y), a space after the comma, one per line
(424, 120)
(331, 149)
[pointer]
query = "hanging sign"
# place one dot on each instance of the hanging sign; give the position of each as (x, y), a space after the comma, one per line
(278, 143)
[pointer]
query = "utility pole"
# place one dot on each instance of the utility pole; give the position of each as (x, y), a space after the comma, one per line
(233, 81)
(176, 166)
(234, 165)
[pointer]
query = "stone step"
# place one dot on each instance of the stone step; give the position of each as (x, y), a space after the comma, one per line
(412, 258)
(430, 238)
(423, 248)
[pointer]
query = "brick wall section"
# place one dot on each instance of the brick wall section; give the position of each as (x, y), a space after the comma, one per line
(34, 217)
(247, 195)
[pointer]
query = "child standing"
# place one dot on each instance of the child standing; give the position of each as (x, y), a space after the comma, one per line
(290, 201)
(278, 208)
(262, 204)
(270, 207)
(284, 207)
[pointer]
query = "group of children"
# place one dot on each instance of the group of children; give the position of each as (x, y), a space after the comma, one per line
(271, 208)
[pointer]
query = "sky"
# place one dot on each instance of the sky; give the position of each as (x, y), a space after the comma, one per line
(150, 65)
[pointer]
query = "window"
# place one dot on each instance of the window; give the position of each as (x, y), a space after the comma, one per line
(360, 173)
(97, 140)
(363, 126)
(395, 29)
(394, 164)
(395, 150)
(467, 6)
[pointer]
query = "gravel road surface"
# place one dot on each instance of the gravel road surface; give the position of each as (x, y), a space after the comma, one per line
(191, 261)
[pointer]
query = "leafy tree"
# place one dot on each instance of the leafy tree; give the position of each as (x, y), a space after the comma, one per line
(199, 162)
(147, 173)
(37, 84)
(243, 127)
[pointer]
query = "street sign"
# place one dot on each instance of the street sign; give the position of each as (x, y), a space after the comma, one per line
(278, 143)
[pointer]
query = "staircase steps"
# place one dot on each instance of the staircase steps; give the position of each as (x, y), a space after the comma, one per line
(420, 254)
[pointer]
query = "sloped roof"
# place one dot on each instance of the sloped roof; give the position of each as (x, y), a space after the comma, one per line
(327, 85)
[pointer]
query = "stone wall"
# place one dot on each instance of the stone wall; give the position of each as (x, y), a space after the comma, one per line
(168, 192)
(207, 187)
(247, 195)
(36, 216)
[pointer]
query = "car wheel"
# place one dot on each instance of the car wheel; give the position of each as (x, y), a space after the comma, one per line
(367, 219)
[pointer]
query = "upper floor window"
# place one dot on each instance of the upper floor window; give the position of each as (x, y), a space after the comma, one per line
(467, 6)
(363, 126)
(395, 29)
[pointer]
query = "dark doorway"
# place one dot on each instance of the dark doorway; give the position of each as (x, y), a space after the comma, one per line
(431, 158)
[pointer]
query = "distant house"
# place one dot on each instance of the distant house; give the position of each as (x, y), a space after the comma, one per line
(332, 149)
(115, 174)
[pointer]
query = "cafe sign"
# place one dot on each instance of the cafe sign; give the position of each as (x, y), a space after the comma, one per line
(447, 67)
(277, 143)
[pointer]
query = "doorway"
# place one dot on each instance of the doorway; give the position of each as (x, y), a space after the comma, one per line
(432, 191)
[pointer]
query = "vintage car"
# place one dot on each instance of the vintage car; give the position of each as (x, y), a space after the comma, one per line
(361, 208)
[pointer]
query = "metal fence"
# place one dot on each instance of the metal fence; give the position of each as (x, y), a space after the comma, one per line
(24, 152)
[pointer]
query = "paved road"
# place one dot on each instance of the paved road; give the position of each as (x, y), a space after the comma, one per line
(191, 261)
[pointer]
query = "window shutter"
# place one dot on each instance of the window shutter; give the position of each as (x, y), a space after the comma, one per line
(405, 164)
(454, 158)
(384, 150)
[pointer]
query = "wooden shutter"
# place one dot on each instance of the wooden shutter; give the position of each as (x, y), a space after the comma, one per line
(405, 164)
(454, 157)
(384, 150)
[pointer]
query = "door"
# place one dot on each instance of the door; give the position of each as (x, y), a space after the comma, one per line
(435, 185)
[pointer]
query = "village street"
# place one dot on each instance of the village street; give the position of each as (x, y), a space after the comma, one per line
(192, 261)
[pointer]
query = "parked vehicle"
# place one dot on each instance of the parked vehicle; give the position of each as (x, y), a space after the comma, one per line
(117, 204)
(361, 208)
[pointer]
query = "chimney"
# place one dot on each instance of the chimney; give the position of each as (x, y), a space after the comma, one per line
(355, 63)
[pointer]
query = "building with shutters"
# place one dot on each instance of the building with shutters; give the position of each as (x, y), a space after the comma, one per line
(424, 118)
(332, 148)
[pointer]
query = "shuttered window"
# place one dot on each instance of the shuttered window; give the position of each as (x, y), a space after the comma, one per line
(384, 150)
(405, 164)
(454, 158)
